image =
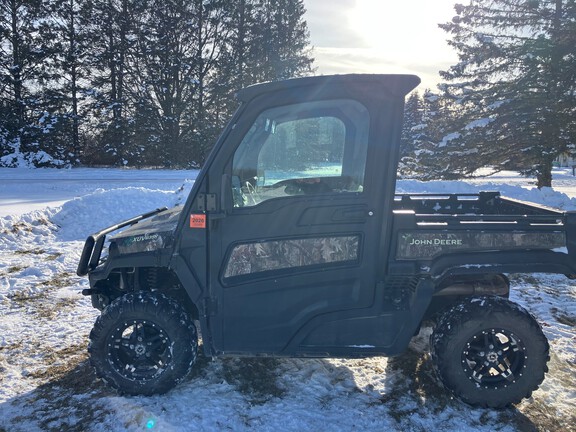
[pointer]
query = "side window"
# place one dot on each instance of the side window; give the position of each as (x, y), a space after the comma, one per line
(309, 148)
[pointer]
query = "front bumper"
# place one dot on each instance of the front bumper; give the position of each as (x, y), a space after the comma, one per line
(92, 251)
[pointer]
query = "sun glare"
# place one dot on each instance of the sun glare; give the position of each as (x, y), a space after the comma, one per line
(374, 22)
(394, 36)
(400, 29)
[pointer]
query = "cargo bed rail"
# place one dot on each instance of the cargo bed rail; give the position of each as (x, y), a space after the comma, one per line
(488, 205)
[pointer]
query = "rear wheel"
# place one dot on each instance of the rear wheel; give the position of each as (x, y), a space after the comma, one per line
(143, 343)
(489, 352)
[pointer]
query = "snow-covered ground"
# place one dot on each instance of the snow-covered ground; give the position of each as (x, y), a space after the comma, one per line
(47, 385)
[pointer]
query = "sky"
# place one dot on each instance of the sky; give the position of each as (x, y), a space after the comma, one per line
(381, 36)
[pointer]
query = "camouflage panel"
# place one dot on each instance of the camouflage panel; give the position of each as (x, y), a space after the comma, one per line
(258, 257)
(418, 245)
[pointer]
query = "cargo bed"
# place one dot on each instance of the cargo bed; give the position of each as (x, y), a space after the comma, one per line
(441, 233)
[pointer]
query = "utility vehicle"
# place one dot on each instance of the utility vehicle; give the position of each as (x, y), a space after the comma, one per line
(293, 243)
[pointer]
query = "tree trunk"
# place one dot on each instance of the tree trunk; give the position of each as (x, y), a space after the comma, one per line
(74, 81)
(544, 176)
(16, 69)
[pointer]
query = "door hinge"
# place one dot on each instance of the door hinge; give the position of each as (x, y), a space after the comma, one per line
(206, 202)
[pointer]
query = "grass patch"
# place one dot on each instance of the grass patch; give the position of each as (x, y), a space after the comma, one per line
(49, 257)
(40, 302)
(524, 278)
(51, 311)
(13, 346)
(62, 362)
(26, 227)
(53, 256)
(69, 397)
(20, 227)
(59, 281)
(15, 269)
(541, 416)
(21, 298)
(30, 252)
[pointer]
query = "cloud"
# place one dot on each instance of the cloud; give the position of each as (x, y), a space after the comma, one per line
(379, 36)
(363, 60)
(328, 22)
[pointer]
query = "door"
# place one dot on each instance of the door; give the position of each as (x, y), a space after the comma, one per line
(293, 257)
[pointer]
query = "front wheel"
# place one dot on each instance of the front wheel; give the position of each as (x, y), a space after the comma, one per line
(489, 352)
(143, 343)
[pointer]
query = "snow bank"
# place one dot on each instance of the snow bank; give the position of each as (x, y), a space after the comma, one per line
(88, 214)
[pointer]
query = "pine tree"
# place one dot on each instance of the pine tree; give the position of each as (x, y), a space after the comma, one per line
(135, 82)
(411, 135)
(426, 147)
(515, 83)
(267, 41)
(111, 46)
(22, 73)
(279, 48)
(62, 97)
(443, 154)
(178, 45)
(70, 19)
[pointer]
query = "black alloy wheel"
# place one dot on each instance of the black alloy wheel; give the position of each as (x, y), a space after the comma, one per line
(139, 350)
(494, 358)
(489, 352)
(144, 343)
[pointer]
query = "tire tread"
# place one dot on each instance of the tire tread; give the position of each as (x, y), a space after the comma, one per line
(152, 306)
(451, 326)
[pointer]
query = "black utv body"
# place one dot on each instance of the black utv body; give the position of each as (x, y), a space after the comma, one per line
(293, 243)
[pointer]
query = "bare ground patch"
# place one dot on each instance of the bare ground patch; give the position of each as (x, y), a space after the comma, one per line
(69, 401)
(60, 362)
(253, 377)
(414, 380)
(563, 317)
(41, 302)
(30, 252)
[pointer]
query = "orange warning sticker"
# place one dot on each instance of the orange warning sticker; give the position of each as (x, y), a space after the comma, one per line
(197, 221)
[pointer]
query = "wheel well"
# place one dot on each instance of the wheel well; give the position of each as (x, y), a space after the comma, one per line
(454, 288)
(472, 284)
(124, 280)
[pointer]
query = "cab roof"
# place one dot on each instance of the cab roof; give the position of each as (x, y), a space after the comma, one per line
(394, 84)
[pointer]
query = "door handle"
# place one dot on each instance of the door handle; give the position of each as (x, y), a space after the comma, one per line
(356, 214)
(216, 215)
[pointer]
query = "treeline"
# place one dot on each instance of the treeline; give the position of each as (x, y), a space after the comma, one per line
(135, 82)
(509, 102)
(151, 82)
